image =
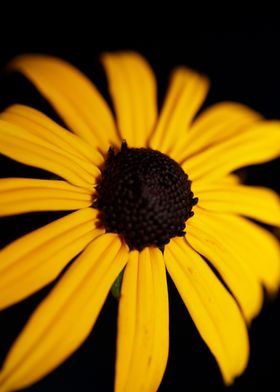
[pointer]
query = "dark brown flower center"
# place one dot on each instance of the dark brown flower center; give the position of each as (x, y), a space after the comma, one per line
(145, 196)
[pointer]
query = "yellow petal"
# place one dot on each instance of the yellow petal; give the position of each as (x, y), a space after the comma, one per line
(204, 185)
(20, 144)
(142, 343)
(65, 318)
(21, 195)
(186, 93)
(74, 97)
(212, 308)
(205, 238)
(260, 143)
(133, 89)
(255, 202)
(258, 248)
(36, 259)
(217, 123)
(42, 126)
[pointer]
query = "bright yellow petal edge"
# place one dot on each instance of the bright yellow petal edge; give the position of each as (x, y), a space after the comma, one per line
(230, 132)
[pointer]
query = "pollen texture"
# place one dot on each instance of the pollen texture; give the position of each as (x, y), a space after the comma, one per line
(144, 196)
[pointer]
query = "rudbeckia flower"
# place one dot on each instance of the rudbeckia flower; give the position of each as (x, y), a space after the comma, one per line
(151, 192)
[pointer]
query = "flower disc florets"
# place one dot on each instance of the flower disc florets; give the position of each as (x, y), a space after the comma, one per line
(145, 196)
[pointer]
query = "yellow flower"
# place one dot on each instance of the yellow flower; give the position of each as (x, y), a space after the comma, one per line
(134, 206)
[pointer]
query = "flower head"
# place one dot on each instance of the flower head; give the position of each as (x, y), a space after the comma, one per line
(151, 192)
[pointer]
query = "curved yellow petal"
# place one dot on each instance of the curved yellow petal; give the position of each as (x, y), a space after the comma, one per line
(186, 93)
(20, 144)
(21, 195)
(255, 202)
(205, 238)
(65, 318)
(260, 143)
(133, 89)
(259, 249)
(212, 308)
(36, 259)
(142, 343)
(73, 96)
(215, 124)
(45, 128)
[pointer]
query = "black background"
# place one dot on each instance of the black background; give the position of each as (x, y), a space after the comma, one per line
(243, 67)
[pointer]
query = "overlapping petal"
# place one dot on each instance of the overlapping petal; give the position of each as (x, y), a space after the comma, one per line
(142, 343)
(186, 93)
(49, 131)
(258, 144)
(203, 185)
(255, 246)
(65, 318)
(36, 259)
(133, 89)
(20, 144)
(213, 310)
(21, 195)
(242, 280)
(74, 97)
(255, 202)
(217, 123)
